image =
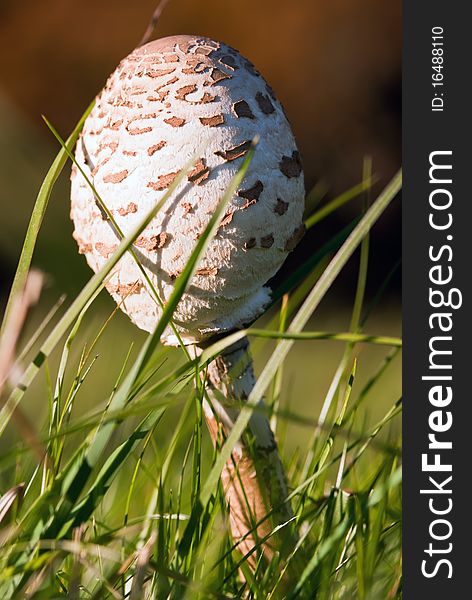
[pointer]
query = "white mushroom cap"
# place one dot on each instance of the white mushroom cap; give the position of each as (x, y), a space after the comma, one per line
(168, 101)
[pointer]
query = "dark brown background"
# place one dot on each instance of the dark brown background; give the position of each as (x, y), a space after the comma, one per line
(335, 65)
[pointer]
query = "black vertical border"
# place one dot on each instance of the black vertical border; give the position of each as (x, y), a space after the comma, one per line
(425, 131)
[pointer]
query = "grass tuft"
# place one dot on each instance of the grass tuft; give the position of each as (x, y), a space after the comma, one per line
(124, 498)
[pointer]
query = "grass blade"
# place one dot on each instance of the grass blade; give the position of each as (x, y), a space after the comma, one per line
(37, 215)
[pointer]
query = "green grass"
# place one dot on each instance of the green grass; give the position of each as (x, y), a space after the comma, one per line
(120, 497)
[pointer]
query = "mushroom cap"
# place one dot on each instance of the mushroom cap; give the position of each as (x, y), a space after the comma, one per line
(169, 101)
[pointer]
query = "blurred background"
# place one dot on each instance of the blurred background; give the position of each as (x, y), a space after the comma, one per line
(335, 66)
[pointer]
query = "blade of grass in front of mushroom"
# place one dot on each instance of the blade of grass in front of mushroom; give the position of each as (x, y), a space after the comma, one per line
(68, 489)
(37, 215)
(94, 284)
(297, 324)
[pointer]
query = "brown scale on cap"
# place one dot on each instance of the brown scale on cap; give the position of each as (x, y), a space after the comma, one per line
(251, 243)
(105, 250)
(206, 99)
(200, 173)
(281, 207)
(207, 271)
(226, 220)
(212, 121)
(153, 242)
(124, 289)
(153, 149)
(115, 177)
(96, 169)
(131, 208)
(264, 103)
(250, 68)
(193, 69)
(167, 83)
(195, 61)
(186, 207)
(107, 145)
(291, 166)
(267, 241)
(148, 243)
(163, 238)
(182, 44)
(204, 51)
(247, 204)
(154, 73)
(242, 109)
(84, 248)
(236, 152)
(229, 62)
(115, 125)
(129, 153)
(293, 240)
(163, 181)
(183, 92)
(218, 76)
(142, 117)
(175, 121)
(253, 192)
(161, 96)
(138, 130)
(128, 104)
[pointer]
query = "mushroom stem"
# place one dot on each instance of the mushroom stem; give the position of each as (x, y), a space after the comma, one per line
(253, 479)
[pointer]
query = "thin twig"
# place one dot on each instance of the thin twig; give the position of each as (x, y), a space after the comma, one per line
(153, 22)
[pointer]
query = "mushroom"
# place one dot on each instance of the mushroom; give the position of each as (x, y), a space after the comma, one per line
(168, 101)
